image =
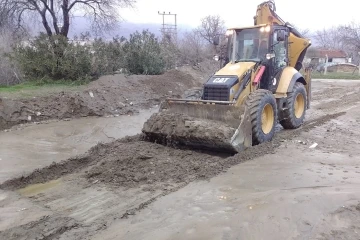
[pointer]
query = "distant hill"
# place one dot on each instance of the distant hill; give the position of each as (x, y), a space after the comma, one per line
(81, 25)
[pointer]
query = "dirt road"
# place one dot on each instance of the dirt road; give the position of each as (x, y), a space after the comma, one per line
(131, 189)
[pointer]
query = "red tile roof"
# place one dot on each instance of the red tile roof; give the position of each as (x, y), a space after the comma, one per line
(321, 53)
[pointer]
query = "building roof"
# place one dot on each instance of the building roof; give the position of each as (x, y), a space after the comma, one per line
(321, 53)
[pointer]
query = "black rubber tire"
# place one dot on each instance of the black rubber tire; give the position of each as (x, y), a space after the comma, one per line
(290, 121)
(193, 93)
(256, 102)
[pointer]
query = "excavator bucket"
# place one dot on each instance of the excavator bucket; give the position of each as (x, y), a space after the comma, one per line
(211, 125)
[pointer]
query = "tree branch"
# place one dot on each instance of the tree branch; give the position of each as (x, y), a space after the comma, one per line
(103, 13)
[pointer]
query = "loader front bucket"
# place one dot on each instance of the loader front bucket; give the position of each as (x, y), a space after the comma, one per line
(216, 126)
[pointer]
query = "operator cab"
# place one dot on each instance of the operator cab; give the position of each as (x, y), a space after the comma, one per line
(263, 44)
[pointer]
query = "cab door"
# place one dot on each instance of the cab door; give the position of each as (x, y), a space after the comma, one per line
(279, 46)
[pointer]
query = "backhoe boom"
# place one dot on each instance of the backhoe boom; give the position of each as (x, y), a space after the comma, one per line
(298, 44)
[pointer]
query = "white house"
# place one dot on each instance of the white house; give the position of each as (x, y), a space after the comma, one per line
(318, 56)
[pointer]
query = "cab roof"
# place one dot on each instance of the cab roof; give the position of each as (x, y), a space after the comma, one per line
(248, 27)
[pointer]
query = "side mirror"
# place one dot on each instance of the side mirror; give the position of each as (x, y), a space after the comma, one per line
(216, 40)
(281, 35)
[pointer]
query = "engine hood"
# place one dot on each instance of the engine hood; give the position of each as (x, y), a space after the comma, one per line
(235, 69)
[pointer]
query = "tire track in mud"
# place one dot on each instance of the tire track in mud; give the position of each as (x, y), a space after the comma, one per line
(46, 228)
(351, 98)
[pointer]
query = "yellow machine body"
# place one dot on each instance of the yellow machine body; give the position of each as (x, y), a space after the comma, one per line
(230, 115)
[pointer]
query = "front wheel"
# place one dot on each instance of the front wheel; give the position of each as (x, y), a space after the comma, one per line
(263, 115)
(294, 114)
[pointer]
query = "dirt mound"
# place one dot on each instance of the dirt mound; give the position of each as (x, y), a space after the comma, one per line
(201, 71)
(172, 82)
(176, 128)
(143, 163)
(110, 95)
(60, 106)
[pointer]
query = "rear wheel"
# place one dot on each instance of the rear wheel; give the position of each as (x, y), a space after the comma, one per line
(263, 115)
(294, 114)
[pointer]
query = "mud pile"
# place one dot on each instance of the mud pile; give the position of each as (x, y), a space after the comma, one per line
(133, 162)
(110, 95)
(177, 129)
(171, 83)
(59, 106)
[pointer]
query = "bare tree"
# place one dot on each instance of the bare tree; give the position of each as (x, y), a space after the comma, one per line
(55, 14)
(211, 26)
(9, 71)
(350, 36)
(329, 38)
(192, 48)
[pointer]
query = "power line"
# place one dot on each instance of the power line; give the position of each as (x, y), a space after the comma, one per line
(169, 30)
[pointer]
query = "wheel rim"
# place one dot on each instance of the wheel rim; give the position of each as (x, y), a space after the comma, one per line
(299, 105)
(267, 118)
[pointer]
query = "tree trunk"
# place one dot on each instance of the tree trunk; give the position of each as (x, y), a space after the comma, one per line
(66, 16)
(46, 24)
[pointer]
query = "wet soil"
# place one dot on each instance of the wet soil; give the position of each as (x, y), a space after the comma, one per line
(135, 189)
(110, 95)
(175, 129)
(45, 228)
(56, 140)
(133, 162)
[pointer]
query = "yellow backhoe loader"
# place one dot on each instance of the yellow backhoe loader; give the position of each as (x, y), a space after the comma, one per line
(259, 85)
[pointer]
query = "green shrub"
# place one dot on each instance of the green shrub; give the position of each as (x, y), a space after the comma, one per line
(109, 57)
(54, 58)
(143, 54)
(170, 53)
(47, 59)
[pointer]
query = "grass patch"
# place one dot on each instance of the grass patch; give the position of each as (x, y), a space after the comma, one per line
(331, 75)
(39, 88)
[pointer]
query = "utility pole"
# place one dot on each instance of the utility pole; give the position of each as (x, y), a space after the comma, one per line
(326, 63)
(169, 30)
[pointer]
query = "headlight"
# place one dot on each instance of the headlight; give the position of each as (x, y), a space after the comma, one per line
(216, 58)
(265, 29)
(270, 56)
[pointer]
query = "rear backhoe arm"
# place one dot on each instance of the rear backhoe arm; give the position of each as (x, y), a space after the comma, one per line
(265, 14)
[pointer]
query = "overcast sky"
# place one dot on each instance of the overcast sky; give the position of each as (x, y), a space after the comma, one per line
(312, 14)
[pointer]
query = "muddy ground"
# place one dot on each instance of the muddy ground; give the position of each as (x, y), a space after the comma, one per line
(110, 95)
(133, 189)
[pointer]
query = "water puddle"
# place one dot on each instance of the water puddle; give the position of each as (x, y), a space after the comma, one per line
(37, 146)
(35, 189)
